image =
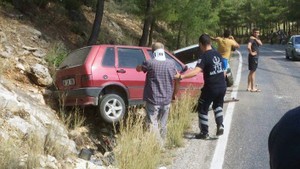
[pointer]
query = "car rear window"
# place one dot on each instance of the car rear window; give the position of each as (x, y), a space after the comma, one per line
(76, 58)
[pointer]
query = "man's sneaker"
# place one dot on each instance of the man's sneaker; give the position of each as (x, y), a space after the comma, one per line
(202, 136)
(220, 130)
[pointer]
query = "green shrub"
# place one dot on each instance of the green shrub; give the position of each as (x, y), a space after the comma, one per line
(56, 54)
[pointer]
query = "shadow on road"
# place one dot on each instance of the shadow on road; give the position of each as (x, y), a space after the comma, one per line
(276, 72)
(191, 135)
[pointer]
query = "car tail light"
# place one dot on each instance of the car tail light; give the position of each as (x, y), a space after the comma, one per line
(86, 80)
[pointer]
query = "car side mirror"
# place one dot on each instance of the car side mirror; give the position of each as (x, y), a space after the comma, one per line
(184, 69)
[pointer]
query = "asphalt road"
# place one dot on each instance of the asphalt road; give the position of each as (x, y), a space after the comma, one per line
(253, 115)
(256, 113)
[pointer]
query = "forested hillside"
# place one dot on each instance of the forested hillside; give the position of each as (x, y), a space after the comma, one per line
(36, 35)
(175, 22)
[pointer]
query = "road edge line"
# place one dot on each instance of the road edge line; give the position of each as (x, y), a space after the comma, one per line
(219, 154)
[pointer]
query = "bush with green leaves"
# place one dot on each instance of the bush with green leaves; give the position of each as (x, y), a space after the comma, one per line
(56, 54)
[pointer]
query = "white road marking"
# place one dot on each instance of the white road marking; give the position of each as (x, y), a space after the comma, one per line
(219, 155)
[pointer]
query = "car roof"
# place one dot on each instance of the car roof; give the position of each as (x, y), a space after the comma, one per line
(125, 46)
(186, 48)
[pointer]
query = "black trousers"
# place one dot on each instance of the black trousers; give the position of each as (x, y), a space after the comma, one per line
(208, 96)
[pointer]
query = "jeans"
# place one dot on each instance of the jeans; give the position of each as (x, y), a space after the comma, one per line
(158, 117)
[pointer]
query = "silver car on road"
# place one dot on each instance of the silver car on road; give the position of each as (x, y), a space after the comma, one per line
(292, 50)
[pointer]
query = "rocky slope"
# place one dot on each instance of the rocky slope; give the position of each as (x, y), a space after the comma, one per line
(31, 133)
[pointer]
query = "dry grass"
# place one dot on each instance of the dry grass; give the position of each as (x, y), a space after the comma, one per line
(26, 152)
(179, 119)
(52, 145)
(6, 66)
(71, 119)
(78, 118)
(9, 153)
(137, 147)
(35, 149)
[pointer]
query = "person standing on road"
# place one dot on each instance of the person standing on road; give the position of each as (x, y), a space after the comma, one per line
(214, 88)
(253, 48)
(159, 90)
(225, 46)
(284, 142)
(271, 37)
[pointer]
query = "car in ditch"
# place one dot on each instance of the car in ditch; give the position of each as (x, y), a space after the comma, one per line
(105, 76)
(191, 55)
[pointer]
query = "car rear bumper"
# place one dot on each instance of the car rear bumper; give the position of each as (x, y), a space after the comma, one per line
(80, 97)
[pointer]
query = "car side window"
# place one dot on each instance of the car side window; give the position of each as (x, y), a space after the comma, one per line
(297, 40)
(109, 57)
(130, 58)
(178, 65)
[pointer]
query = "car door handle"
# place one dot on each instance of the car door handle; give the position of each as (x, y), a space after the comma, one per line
(121, 71)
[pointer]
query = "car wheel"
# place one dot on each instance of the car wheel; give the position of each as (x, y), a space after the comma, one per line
(112, 108)
(293, 56)
(286, 54)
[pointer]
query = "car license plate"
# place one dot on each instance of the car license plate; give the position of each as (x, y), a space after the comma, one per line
(69, 82)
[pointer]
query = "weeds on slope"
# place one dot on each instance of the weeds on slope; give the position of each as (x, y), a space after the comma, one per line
(180, 119)
(137, 147)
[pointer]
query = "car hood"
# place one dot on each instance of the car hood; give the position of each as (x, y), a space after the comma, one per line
(297, 46)
(188, 54)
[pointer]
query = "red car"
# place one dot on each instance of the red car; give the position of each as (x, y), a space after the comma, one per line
(106, 76)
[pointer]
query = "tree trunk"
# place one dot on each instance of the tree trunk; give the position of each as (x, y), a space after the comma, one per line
(97, 23)
(187, 38)
(242, 32)
(179, 35)
(147, 23)
(151, 31)
(298, 27)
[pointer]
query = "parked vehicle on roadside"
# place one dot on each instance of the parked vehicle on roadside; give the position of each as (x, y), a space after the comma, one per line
(292, 50)
(191, 55)
(105, 76)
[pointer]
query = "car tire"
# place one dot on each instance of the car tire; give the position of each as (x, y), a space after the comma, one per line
(112, 108)
(286, 54)
(293, 56)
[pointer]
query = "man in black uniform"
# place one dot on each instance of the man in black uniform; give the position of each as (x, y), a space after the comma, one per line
(214, 86)
(253, 45)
